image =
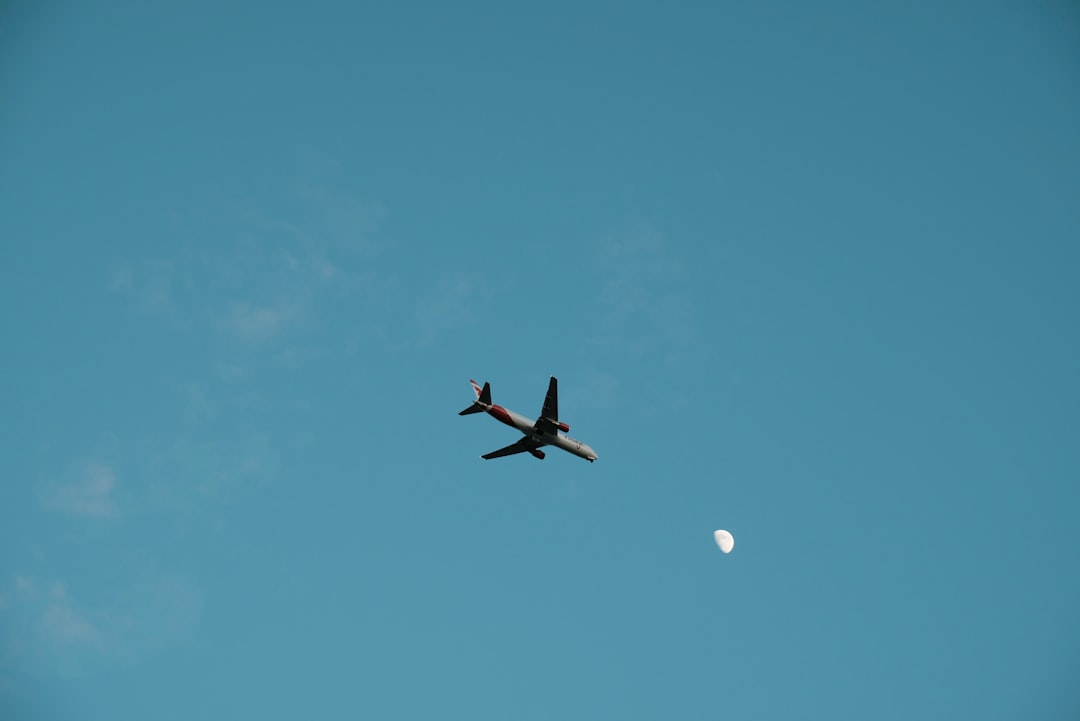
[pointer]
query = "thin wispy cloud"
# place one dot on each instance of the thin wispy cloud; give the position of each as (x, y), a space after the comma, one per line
(445, 309)
(277, 271)
(45, 629)
(270, 275)
(259, 322)
(148, 282)
(89, 491)
(50, 631)
(341, 220)
(645, 307)
(64, 625)
(200, 469)
(199, 407)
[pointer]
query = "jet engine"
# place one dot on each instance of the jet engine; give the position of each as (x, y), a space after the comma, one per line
(536, 452)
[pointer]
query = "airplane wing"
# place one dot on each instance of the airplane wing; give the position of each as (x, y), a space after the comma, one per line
(551, 401)
(548, 422)
(522, 445)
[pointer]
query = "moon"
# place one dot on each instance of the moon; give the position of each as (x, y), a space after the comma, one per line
(725, 540)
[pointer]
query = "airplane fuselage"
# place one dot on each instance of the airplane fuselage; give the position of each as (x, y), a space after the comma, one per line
(528, 427)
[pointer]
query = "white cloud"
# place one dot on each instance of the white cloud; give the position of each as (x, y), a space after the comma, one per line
(89, 492)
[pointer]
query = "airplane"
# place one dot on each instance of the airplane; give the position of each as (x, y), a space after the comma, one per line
(544, 431)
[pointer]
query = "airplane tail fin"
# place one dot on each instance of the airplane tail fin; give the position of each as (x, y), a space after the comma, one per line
(483, 396)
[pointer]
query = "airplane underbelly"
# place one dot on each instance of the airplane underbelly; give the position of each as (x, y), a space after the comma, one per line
(523, 424)
(563, 443)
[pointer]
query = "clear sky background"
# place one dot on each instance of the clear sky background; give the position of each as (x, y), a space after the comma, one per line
(805, 271)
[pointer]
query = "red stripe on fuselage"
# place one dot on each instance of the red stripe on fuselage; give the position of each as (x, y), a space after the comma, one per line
(500, 414)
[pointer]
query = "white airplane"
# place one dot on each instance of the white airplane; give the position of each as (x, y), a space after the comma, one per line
(544, 431)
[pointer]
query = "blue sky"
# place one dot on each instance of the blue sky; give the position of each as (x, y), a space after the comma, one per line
(807, 273)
